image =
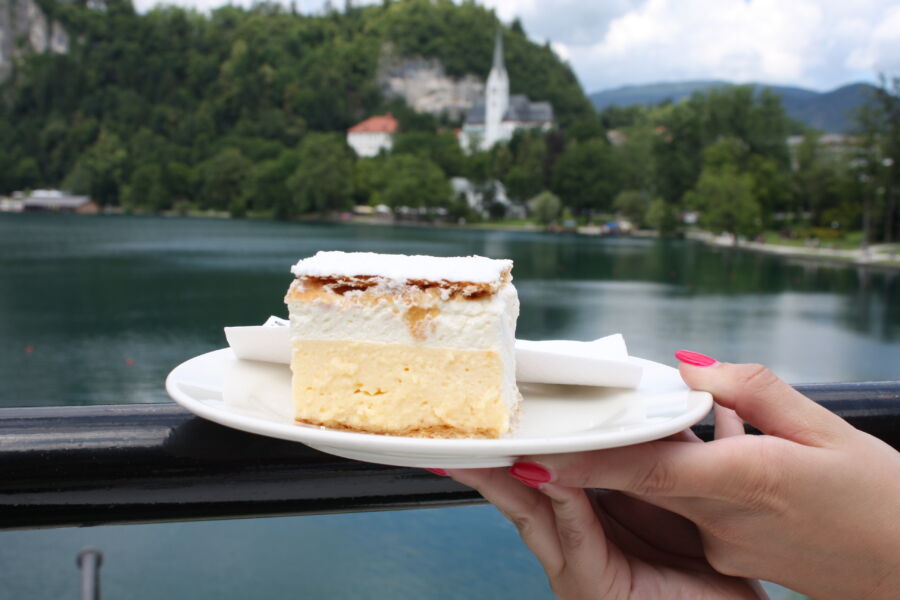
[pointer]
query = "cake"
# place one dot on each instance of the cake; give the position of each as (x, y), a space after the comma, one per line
(404, 345)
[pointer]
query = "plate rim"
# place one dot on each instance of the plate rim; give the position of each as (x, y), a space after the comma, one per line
(699, 405)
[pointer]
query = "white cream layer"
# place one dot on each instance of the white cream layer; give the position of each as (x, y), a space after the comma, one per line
(400, 267)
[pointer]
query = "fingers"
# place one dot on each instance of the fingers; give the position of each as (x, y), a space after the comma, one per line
(728, 423)
(765, 401)
(650, 470)
(669, 534)
(581, 537)
(559, 525)
(527, 509)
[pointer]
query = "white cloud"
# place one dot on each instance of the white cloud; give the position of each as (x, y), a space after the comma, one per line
(882, 52)
(816, 43)
(564, 21)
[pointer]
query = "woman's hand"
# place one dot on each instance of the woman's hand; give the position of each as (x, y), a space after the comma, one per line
(812, 505)
(606, 545)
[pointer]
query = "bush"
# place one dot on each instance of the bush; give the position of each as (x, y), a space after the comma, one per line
(545, 207)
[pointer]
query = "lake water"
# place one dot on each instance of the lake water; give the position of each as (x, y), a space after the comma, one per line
(97, 310)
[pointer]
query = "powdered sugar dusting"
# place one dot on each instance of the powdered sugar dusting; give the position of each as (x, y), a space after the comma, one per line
(400, 267)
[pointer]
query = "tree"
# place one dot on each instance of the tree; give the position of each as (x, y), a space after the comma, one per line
(100, 171)
(545, 207)
(662, 217)
(369, 180)
(146, 190)
(266, 187)
(888, 95)
(323, 179)
(414, 182)
(725, 199)
(524, 182)
(25, 174)
(878, 128)
(441, 148)
(586, 176)
(222, 178)
(632, 205)
(586, 128)
(526, 177)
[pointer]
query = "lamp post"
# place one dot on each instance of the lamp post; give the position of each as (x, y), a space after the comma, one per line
(89, 561)
(888, 163)
(864, 178)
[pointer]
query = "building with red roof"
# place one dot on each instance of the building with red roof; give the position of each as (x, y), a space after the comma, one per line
(373, 135)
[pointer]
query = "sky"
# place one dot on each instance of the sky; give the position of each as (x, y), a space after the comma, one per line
(818, 44)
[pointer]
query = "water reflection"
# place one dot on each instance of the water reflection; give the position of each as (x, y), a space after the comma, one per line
(108, 305)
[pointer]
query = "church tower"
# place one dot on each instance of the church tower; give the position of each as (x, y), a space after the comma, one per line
(496, 97)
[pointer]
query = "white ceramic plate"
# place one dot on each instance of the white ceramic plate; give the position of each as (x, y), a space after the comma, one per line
(256, 397)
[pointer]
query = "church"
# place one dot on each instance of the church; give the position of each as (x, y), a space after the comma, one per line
(499, 115)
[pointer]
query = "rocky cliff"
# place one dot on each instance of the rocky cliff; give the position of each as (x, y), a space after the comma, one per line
(425, 87)
(24, 28)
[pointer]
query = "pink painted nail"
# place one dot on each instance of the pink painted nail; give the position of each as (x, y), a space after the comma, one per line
(695, 358)
(531, 474)
(440, 472)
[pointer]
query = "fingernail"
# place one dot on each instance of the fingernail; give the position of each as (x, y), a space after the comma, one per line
(531, 474)
(440, 472)
(695, 358)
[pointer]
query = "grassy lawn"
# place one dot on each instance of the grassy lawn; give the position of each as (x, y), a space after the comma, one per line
(506, 224)
(848, 241)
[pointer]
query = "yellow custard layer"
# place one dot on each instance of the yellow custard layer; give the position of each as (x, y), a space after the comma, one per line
(399, 389)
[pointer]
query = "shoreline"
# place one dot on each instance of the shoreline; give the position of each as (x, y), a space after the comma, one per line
(880, 256)
(877, 256)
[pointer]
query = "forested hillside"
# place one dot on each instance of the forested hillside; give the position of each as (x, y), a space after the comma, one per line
(175, 105)
(246, 111)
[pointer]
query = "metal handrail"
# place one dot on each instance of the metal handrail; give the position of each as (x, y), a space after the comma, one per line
(92, 465)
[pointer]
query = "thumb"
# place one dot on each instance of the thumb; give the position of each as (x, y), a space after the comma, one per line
(759, 397)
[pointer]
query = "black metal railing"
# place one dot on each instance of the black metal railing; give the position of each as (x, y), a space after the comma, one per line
(92, 465)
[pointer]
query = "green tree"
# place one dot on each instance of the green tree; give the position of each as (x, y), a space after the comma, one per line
(526, 177)
(25, 174)
(323, 179)
(663, 217)
(632, 205)
(441, 148)
(222, 178)
(178, 181)
(146, 189)
(585, 128)
(266, 188)
(725, 199)
(100, 171)
(876, 161)
(545, 207)
(586, 176)
(369, 180)
(414, 182)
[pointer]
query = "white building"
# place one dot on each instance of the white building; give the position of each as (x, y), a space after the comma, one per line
(499, 115)
(479, 197)
(48, 200)
(373, 135)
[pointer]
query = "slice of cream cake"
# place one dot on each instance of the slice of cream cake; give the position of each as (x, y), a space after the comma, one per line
(404, 345)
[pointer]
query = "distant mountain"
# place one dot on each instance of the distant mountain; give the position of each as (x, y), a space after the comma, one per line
(829, 111)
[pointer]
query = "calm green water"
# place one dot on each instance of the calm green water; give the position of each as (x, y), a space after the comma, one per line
(97, 310)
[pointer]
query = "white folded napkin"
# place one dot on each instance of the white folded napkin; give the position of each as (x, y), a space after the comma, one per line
(604, 362)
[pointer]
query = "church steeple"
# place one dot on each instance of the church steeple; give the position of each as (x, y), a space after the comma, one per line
(498, 53)
(496, 96)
